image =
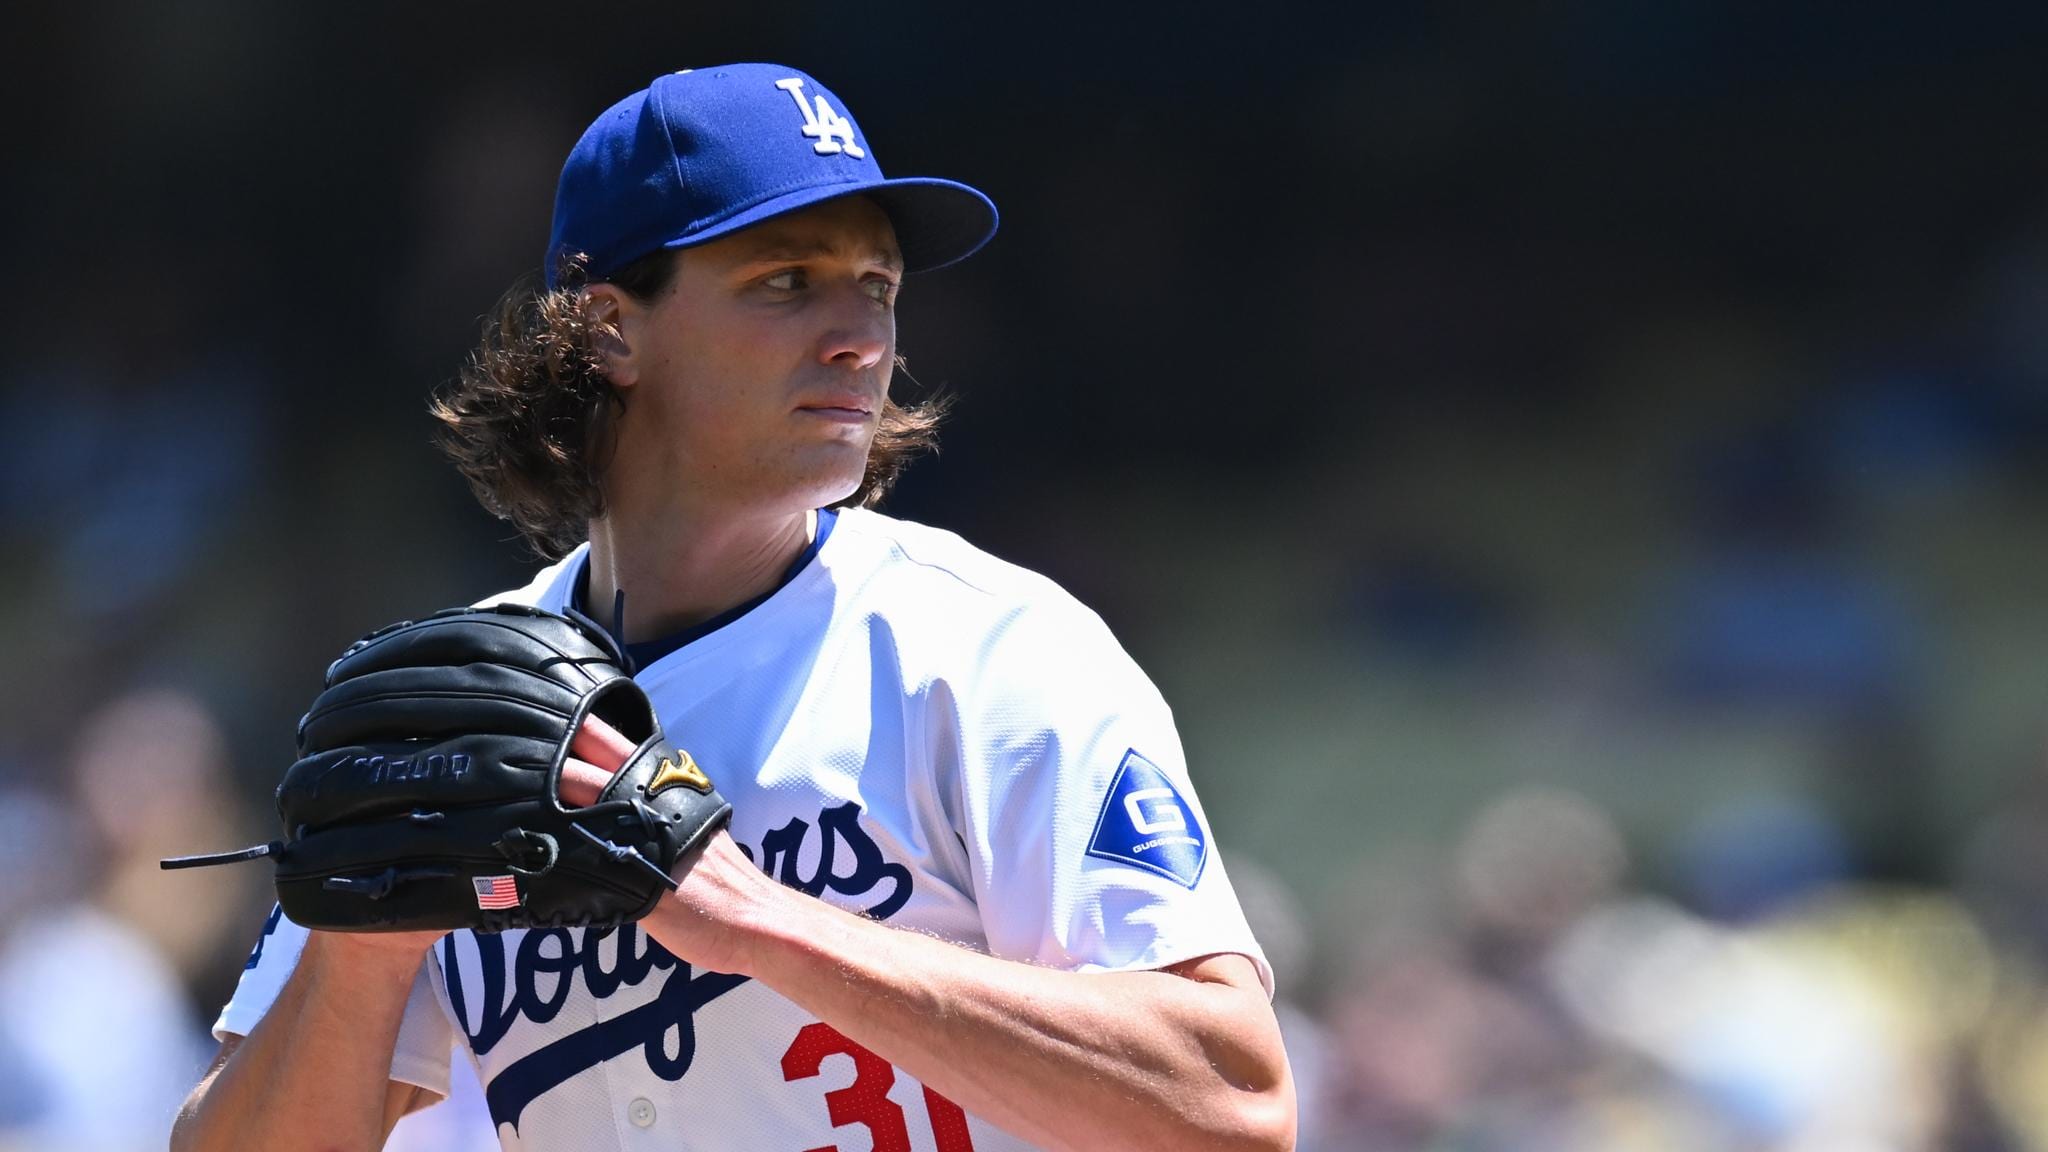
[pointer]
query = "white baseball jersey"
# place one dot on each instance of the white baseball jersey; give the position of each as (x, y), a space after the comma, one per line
(908, 728)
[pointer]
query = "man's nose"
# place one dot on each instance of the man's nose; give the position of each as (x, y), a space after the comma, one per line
(861, 332)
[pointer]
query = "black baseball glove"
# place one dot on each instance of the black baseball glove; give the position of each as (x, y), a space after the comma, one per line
(427, 793)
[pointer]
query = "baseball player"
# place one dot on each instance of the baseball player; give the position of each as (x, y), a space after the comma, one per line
(967, 898)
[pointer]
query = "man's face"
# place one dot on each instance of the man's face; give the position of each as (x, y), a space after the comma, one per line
(757, 379)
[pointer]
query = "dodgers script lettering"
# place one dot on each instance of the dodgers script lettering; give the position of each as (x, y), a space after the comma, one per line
(529, 977)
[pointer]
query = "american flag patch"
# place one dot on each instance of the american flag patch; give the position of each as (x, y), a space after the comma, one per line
(496, 891)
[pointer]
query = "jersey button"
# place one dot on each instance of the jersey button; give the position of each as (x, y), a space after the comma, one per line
(641, 1112)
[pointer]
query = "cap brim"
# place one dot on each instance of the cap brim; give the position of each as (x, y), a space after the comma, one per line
(937, 222)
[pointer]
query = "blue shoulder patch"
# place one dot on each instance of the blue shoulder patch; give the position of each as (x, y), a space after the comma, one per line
(1145, 822)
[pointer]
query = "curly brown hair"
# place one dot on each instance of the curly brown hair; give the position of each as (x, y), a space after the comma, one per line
(528, 419)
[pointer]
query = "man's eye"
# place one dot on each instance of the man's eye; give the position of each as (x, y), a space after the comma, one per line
(790, 281)
(882, 290)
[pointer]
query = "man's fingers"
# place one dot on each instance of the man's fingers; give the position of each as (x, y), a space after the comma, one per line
(597, 742)
(582, 782)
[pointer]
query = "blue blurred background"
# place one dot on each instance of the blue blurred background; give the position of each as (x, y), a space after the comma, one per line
(1575, 469)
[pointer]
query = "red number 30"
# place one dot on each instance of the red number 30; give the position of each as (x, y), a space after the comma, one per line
(866, 1101)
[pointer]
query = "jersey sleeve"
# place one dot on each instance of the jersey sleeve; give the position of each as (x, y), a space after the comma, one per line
(1088, 848)
(421, 1056)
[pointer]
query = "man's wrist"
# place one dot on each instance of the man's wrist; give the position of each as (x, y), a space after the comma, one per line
(725, 912)
(352, 962)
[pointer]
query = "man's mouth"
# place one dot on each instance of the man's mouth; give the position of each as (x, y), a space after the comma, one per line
(840, 407)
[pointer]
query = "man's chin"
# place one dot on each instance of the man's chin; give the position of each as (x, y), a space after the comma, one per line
(824, 491)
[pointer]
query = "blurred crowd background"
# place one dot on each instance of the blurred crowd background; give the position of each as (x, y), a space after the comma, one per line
(1575, 469)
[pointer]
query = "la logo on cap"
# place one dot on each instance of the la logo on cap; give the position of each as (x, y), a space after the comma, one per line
(832, 132)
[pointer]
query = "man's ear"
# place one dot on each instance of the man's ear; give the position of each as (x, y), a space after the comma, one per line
(614, 318)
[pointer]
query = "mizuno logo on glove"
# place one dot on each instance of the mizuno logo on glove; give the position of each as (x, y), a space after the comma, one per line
(686, 773)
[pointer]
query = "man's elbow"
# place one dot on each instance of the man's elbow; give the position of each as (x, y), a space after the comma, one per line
(1247, 1101)
(1265, 1121)
(1261, 1101)
(1247, 1117)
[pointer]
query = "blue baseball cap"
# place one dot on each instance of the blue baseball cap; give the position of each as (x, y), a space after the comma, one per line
(704, 152)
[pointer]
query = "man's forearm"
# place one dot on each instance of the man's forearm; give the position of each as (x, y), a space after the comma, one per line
(315, 1072)
(1064, 1059)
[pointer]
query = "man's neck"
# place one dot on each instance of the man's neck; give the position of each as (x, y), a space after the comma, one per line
(677, 574)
